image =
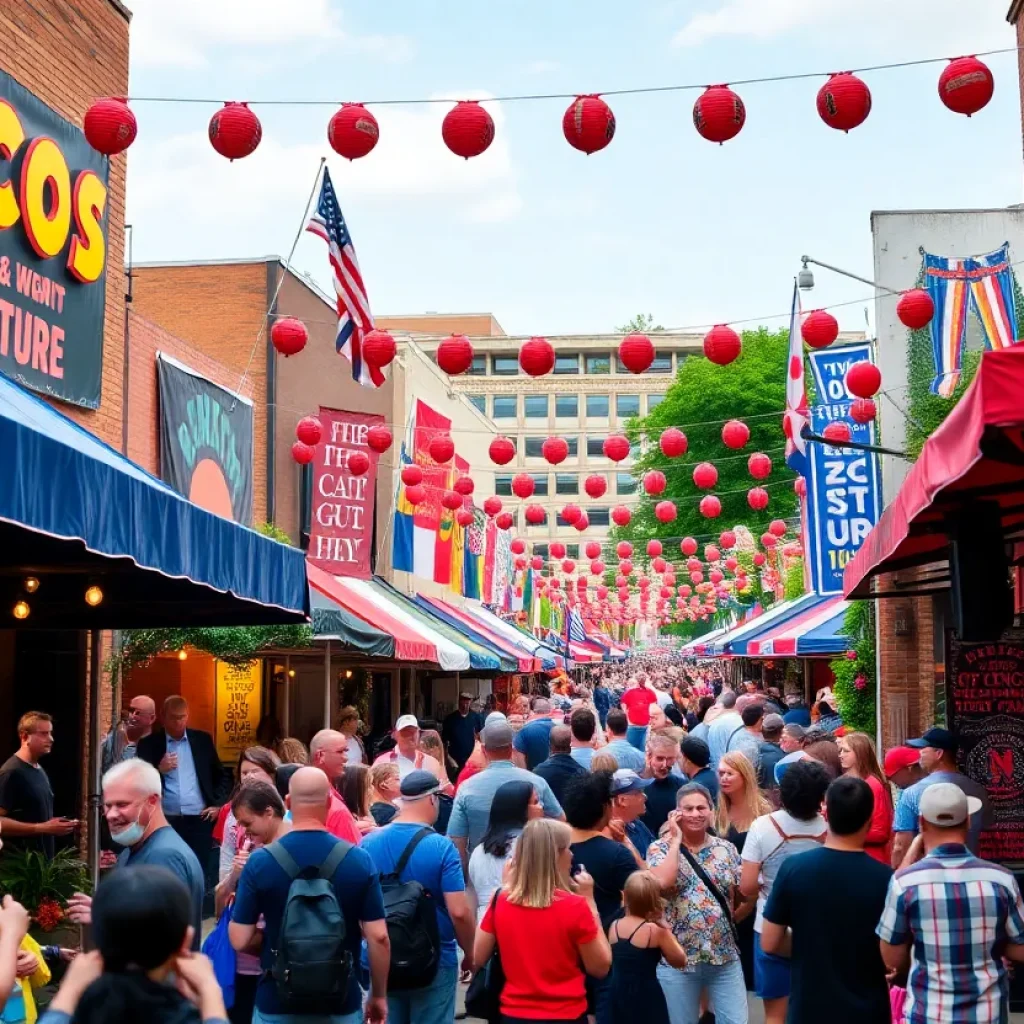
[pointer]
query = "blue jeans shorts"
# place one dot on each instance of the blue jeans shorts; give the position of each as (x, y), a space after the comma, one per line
(771, 972)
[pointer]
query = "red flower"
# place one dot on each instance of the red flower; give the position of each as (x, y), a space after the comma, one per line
(49, 914)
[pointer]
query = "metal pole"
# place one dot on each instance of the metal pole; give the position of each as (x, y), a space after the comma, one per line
(327, 684)
(846, 273)
(95, 761)
(286, 716)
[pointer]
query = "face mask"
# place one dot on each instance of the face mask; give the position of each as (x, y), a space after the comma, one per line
(132, 834)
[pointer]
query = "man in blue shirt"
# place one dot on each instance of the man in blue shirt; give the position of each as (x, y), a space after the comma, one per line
(263, 890)
(531, 742)
(602, 700)
(628, 805)
(695, 760)
(625, 754)
(583, 725)
(434, 863)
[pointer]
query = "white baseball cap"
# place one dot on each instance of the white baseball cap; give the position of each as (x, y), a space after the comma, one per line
(406, 722)
(947, 805)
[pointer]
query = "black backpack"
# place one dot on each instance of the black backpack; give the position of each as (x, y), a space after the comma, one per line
(411, 916)
(312, 965)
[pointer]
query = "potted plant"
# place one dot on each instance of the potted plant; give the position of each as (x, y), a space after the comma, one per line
(43, 887)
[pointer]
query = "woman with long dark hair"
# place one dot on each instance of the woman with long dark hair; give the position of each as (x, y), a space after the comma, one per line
(355, 789)
(514, 804)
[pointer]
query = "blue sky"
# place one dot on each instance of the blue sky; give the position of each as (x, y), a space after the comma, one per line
(547, 239)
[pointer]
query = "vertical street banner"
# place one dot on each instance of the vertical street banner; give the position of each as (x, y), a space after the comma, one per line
(206, 441)
(342, 516)
(843, 484)
(53, 250)
(985, 707)
(239, 691)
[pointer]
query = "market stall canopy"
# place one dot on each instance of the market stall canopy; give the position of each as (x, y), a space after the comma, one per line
(476, 631)
(76, 514)
(549, 658)
(698, 646)
(594, 632)
(733, 642)
(816, 631)
(976, 454)
(332, 620)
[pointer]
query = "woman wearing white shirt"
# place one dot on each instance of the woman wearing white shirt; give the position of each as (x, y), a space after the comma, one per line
(348, 724)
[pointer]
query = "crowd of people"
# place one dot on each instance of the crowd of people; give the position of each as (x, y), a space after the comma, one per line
(647, 844)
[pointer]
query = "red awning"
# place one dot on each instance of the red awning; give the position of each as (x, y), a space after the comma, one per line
(977, 453)
(409, 646)
(525, 660)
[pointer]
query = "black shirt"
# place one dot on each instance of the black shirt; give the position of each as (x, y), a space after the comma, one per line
(557, 770)
(382, 813)
(661, 798)
(771, 755)
(25, 795)
(459, 733)
(609, 863)
(833, 902)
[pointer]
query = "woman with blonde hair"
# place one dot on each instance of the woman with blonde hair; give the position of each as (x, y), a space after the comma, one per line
(858, 759)
(604, 762)
(430, 743)
(544, 980)
(348, 726)
(292, 751)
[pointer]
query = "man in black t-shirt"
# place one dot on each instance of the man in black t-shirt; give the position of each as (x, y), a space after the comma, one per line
(662, 755)
(26, 797)
(460, 730)
(822, 913)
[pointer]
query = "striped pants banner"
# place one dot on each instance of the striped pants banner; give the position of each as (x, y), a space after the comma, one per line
(983, 284)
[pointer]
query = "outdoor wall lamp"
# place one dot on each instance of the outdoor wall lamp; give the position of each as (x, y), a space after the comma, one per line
(93, 596)
(21, 610)
(31, 584)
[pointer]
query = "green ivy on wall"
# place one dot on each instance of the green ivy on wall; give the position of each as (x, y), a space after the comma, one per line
(855, 679)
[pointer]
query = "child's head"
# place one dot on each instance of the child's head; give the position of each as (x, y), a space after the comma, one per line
(642, 896)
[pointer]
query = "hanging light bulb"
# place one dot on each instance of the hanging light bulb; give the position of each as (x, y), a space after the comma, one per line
(31, 584)
(93, 596)
(22, 610)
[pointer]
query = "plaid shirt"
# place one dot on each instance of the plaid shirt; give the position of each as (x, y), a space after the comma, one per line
(955, 909)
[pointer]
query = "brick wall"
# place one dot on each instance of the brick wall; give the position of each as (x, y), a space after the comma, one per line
(68, 54)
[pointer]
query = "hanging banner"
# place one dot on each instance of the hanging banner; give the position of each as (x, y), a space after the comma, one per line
(239, 693)
(843, 487)
(985, 708)
(53, 223)
(206, 441)
(341, 525)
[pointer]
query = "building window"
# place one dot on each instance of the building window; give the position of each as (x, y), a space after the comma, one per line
(625, 483)
(574, 447)
(532, 447)
(535, 407)
(305, 503)
(597, 406)
(567, 483)
(572, 551)
(595, 447)
(662, 363)
(503, 485)
(540, 484)
(506, 366)
(598, 364)
(505, 407)
(599, 516)
(478, 367)
(480, 401)
(567, 363)
(541, 550)
(567, 406)
(625, 406)
(653, 401)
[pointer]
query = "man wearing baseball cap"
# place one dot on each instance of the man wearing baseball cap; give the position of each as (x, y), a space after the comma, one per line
(959, 914)
(406, 753)
(903, 766)
(628, 803)
(937, 754)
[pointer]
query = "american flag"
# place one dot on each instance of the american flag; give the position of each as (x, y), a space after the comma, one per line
(354, 317)
(796, 415)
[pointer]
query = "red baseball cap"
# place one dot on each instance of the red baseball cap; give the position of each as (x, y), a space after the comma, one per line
(899, 758)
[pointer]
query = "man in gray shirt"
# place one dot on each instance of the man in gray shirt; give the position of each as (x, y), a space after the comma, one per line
(472, 807)
(618, 746)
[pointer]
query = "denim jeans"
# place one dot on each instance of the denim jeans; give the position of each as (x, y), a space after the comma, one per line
(434, 1004)
(636, 736)
(355, 1017)
(727, 994)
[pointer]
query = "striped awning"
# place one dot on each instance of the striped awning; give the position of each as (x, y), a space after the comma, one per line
(816, 631)
(733, 643)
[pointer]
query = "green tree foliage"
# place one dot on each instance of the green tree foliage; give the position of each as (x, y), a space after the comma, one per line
(855, 680)
(642, 323)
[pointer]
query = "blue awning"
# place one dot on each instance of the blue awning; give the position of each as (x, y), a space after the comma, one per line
(72, 508)
(734, 642)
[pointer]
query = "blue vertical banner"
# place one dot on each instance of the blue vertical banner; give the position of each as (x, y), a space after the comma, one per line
(843, 484)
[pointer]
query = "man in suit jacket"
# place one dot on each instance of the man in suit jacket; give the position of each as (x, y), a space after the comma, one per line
(194, 782)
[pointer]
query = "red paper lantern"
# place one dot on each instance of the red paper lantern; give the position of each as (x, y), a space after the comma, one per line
(464, 485)
(769, 540)
(302, 453)
(378, 348)
(673, 443)
(759, 559)
(571, 513)
(535, 515)
(757, 499)
(696, 576)
(492, 506)
(844, 102)
(966, 85)
(502, 451)
(624, 549)
(592, 549)
(621, 581)
(557, 549)
(353, 131)
(654, 482)
(735, 434)
(626, 567)
(412, 475)
(705, 476)
(517, 546)
(837, 432)
(379, 439)
(523, 485)
(465, 517)
(602, 593)
(537, 357)
(915, 309)
(568, 566)
(693, 564)
(659, 565)
(621, 515)
(416, 494)
(537, 563)
(654, 548)
(451, 500)
(110, 125)
(595, 486)
(289, 336)
(616, 447)
(665, 511)
(441, 448)
(716, 576)
(759, 466)
(819, 329)
(503, 520)
(555, 450)
(455, 355)
(643, 583)
(588, 124)
(358, 463)
(777, 527)
(800, 484)
(710, 507)
(711, 553)
(235, 131)
(636, 353)
(727, 539)
(719, 114)
(731, 564)
(863, 379)
(722, 344)
(309, 430)
(467, 129)
(862, 410)
(520, 563)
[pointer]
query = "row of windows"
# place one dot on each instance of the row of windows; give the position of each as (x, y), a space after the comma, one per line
(565, 483)
(537, 407)
(568, 363)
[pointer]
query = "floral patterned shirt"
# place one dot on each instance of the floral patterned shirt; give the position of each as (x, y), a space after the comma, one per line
(693, 913)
